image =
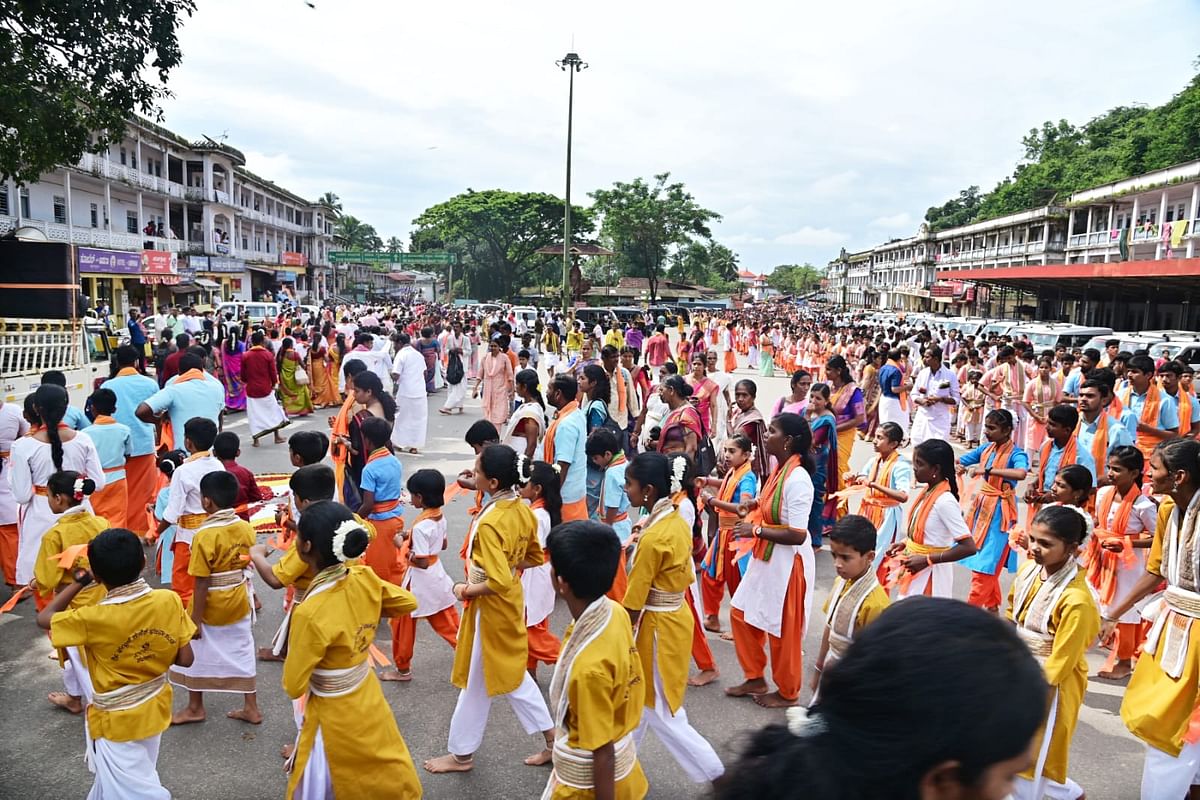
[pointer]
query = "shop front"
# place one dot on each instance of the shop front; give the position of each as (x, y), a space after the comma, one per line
(262, 281)
(223, 276)
(110, 277)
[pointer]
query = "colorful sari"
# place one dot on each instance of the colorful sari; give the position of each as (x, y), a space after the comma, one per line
(871, 398)
(752, 425)
(429, 350)
(824, 477)
(297, 400)
(322, 370)
(231, 377)
(703, 395)
(675, 427)
(766, 357)
(846, 404)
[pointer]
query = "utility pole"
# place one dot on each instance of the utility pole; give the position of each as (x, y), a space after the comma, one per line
(570, 64)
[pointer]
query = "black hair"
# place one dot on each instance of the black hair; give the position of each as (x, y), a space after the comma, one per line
(529, 379)
(221, 488)
(566, 385)
(182, 341)
(171, 460)
(839, 365)
(376, 431)
(54, 377)
(750, 386)
(1094, 354)
(29, 410)
(190, 361)
(50, 402)
(1002, 417)
(742, 441)
(856, 532)
(313, 482)
(311, 446)
(369, 382)
(821, 389)
(1181, 454)
(64, 483)
(601, 386)
(1064, 523)
(678, 385)
(257, 337)
(127, 355)
(546, 476)
(116, 557)
(1173, 367)
(892, 431)
(317, 526)
(875, 707)
(1099, 384)
(103, 401)
(1141, 364)
(1131, 459)
(482, 432)
(939, 453)
(585, 554)
(1064, 414)
(499, 462)
(353, 369)
(226, 445)
(202, 432)
(601, 441)
(655, 470)
(796, 427)
(1079, 478)
(430, 485)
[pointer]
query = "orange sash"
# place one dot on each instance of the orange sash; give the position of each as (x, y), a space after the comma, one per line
(770, 512)
(992, 492)
(900, 393)
(1102, 564)
(1069, 456)
(1185, 412)
(339, 452)
(548, 442)
(166, 433)
(725, 494)
(1099, 443)
(875, 503)
(918, 518)
(621, 401)
(123, 371)
(1151, 406)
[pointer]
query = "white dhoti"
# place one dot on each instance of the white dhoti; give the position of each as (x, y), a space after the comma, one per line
(890, 411)
(926, 426)
(1168, 776)
(316, 783)
(264, 414)
(471, 711)
(412, 422)
(127, 770)
(685, 744)
(457, 395)
(223, 660)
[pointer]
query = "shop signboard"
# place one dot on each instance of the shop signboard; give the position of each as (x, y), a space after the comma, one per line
(198, 263)
(283, 276)
(160, 262)
(113, 262)
(291, 259)
(225, 264)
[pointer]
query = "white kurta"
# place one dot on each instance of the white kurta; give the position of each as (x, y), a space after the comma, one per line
(12, 427)
(30, 466)
(535, 581)
(944, 528)
(933, 422)
(411, 426)
(431, 586)
(1144, 517)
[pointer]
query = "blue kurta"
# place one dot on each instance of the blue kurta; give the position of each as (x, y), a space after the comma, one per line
(114, 444)
(995, 546)
(132, 391)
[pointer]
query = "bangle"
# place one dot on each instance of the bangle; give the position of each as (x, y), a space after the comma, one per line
(929, 560)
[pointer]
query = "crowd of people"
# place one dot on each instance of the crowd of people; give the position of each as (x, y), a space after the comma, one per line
(628, 469)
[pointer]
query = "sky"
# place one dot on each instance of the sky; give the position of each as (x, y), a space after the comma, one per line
(808, 127)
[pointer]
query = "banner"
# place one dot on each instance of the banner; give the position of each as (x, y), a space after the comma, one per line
(159, 262)
(223, 264)
(291, 259)
(112, 262)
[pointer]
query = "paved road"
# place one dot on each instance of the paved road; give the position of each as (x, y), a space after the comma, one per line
(41, 748)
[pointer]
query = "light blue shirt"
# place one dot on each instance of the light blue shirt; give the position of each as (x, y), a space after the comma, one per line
(383, 478)
(183, 401)
(1071, 385)
(612, 496)
(1118, 434)
(131, 392)
(1168, 411)
(113, 444)
(1083, 457)
(76, 419)
(570, 437)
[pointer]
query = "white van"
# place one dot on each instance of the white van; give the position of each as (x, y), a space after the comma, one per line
(258, 311)
(1131, 341)
(1000, 327)
(1051, 335)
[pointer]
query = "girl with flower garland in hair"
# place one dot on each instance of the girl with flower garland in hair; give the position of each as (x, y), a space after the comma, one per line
(963, 735)
(491, 658)
(543, 493)
(772, 606)
(721, 568)
(348, 745)
(660, 575)
(1057, 617)
(62, 552)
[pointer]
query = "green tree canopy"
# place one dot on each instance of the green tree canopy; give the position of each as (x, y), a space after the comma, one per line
(73, 73)
(710, 264)
(351, 233)
(332, 200)
(394, 245)
(645, 222)
(497, 234)
(794, 278)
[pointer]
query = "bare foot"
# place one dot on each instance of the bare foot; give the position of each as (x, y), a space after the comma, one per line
(251, 715)
(704, 677)
(444, 411)
(286, 751)
(412, 450)
(66, 702)
(712, 624)
(727, 636)
(449, 763)
(539, 758)
(393, 674)
(267, 654)
(774, 700)
(279, 439)
(1116, 672)
(255, 443)
(186, 715)
(754, 686)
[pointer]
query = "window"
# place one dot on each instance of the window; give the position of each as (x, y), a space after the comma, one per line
(60, 210)
(1179, 213)
(133, 160)
(131, 221)
(95, 215)
(124, 155)
(4, 200)
(245, 243)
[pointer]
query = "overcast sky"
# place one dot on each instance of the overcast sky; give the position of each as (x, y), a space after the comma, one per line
(808, 127)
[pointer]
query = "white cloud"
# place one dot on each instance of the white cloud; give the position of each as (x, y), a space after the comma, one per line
(901, 221)
(809, 236)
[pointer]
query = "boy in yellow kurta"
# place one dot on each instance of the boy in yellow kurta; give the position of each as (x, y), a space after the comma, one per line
(349, 740)
(128, 639)
(662, 570)
(63, 551)
(857, 599)
(597, 692)
(490, 660)
(1057, 616)
(221, 606)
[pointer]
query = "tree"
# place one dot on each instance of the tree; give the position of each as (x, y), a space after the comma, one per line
(955, 211)
(710, 264)
(394, 245)
(644, 223)
(351, 233)
(332, 201)
(794, 279)
(497, 234)
(73, 74)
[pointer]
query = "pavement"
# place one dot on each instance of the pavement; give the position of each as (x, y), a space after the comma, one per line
(41, 748)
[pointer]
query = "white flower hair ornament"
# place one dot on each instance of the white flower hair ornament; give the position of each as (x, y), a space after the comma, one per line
(77, 488)
(753, 452)
(522, 478)
(678, 465)
(339, 539)
(803, 724)
(1088, 524)
(557, 468)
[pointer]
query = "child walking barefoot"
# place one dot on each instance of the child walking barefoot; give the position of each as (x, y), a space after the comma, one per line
(545, 500)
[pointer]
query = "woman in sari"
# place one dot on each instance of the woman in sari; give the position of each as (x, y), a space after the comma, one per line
(528, 424)
(849, 411)
(766, 355)
(825, 457)
(683, 354)
(797, 401)
(297, 400)
(872, 361)
(497, 385)
(704, 393)
(430, 350)
(681, 428)
(231, 372)
(373, 401)
(746, 420)
(323, 373)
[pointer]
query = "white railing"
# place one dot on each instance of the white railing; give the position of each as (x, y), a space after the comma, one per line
(31, 347)
(196, 193)
(222, 197)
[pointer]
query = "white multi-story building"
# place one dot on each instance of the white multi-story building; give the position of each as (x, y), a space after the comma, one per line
(158, 220)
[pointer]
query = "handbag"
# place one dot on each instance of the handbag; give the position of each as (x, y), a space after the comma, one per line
(454, 370)
(302, 378)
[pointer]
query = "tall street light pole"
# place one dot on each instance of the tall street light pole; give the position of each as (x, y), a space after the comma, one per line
(570, 64)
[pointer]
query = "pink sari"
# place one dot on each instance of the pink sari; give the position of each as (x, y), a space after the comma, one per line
(498, 388)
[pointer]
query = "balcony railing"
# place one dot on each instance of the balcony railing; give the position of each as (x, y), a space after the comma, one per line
(998, 251)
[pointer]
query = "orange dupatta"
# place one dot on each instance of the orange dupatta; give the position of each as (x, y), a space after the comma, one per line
(1099, 442)
(340, 453)
(771, 514)
(1069, 456)
(1102, 564)
(875, 502)
(900, 393)
(1185, 412)
(918, 518)
(548, 442)
(1149, 416)
(166, 433)
(991, 493)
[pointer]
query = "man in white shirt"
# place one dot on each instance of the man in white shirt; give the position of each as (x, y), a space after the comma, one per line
(364, 351)
(934, 393)
(412, 420)
(191, 323)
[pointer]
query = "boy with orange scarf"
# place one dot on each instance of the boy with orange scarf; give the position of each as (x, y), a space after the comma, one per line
(1156, 412)
(1061, 449)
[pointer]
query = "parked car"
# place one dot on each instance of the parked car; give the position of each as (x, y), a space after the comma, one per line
(593, 316)
(258, 311)
(1051, 335)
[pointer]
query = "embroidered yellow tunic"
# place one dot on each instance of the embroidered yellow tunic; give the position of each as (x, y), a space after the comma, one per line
(505, 536)
(291, 570)
(605, 701)
(333, 629)
(663, 561)
(126, 644)
(1156, 708)
(222, 548)
(74, 528)
(874, 604)
(1075, 623)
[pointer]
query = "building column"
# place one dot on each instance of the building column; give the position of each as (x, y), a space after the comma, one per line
(1070, 231)
(1193, 215)
(108, 209)
(1112, 210)
(1046, 240)
(167, 216)
(1087, 254)
(1162, 215)
(208, 179)
(141, 216)
(70, 216)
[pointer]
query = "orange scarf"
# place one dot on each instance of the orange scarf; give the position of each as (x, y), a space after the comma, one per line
(725, 494)
(1151, 406)
(123, 371)
(918, 515)
(901, 393)
(993, 492)
(1185, 412)
(1070, 455)
(564, 412)
(339, 452)
(875, 502)
(1102, 565)
(434, 514)
(621, 403)
(770, 513)
(1099, 443)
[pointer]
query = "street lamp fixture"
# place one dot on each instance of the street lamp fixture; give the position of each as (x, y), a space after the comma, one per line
(571, 63)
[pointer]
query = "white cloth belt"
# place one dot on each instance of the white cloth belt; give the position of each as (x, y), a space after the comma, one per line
(574, 767)
(1176, 611)
(338, 682)
(130, 696)
(659, 601)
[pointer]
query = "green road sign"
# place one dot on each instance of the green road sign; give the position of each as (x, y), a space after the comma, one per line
(403, 259)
